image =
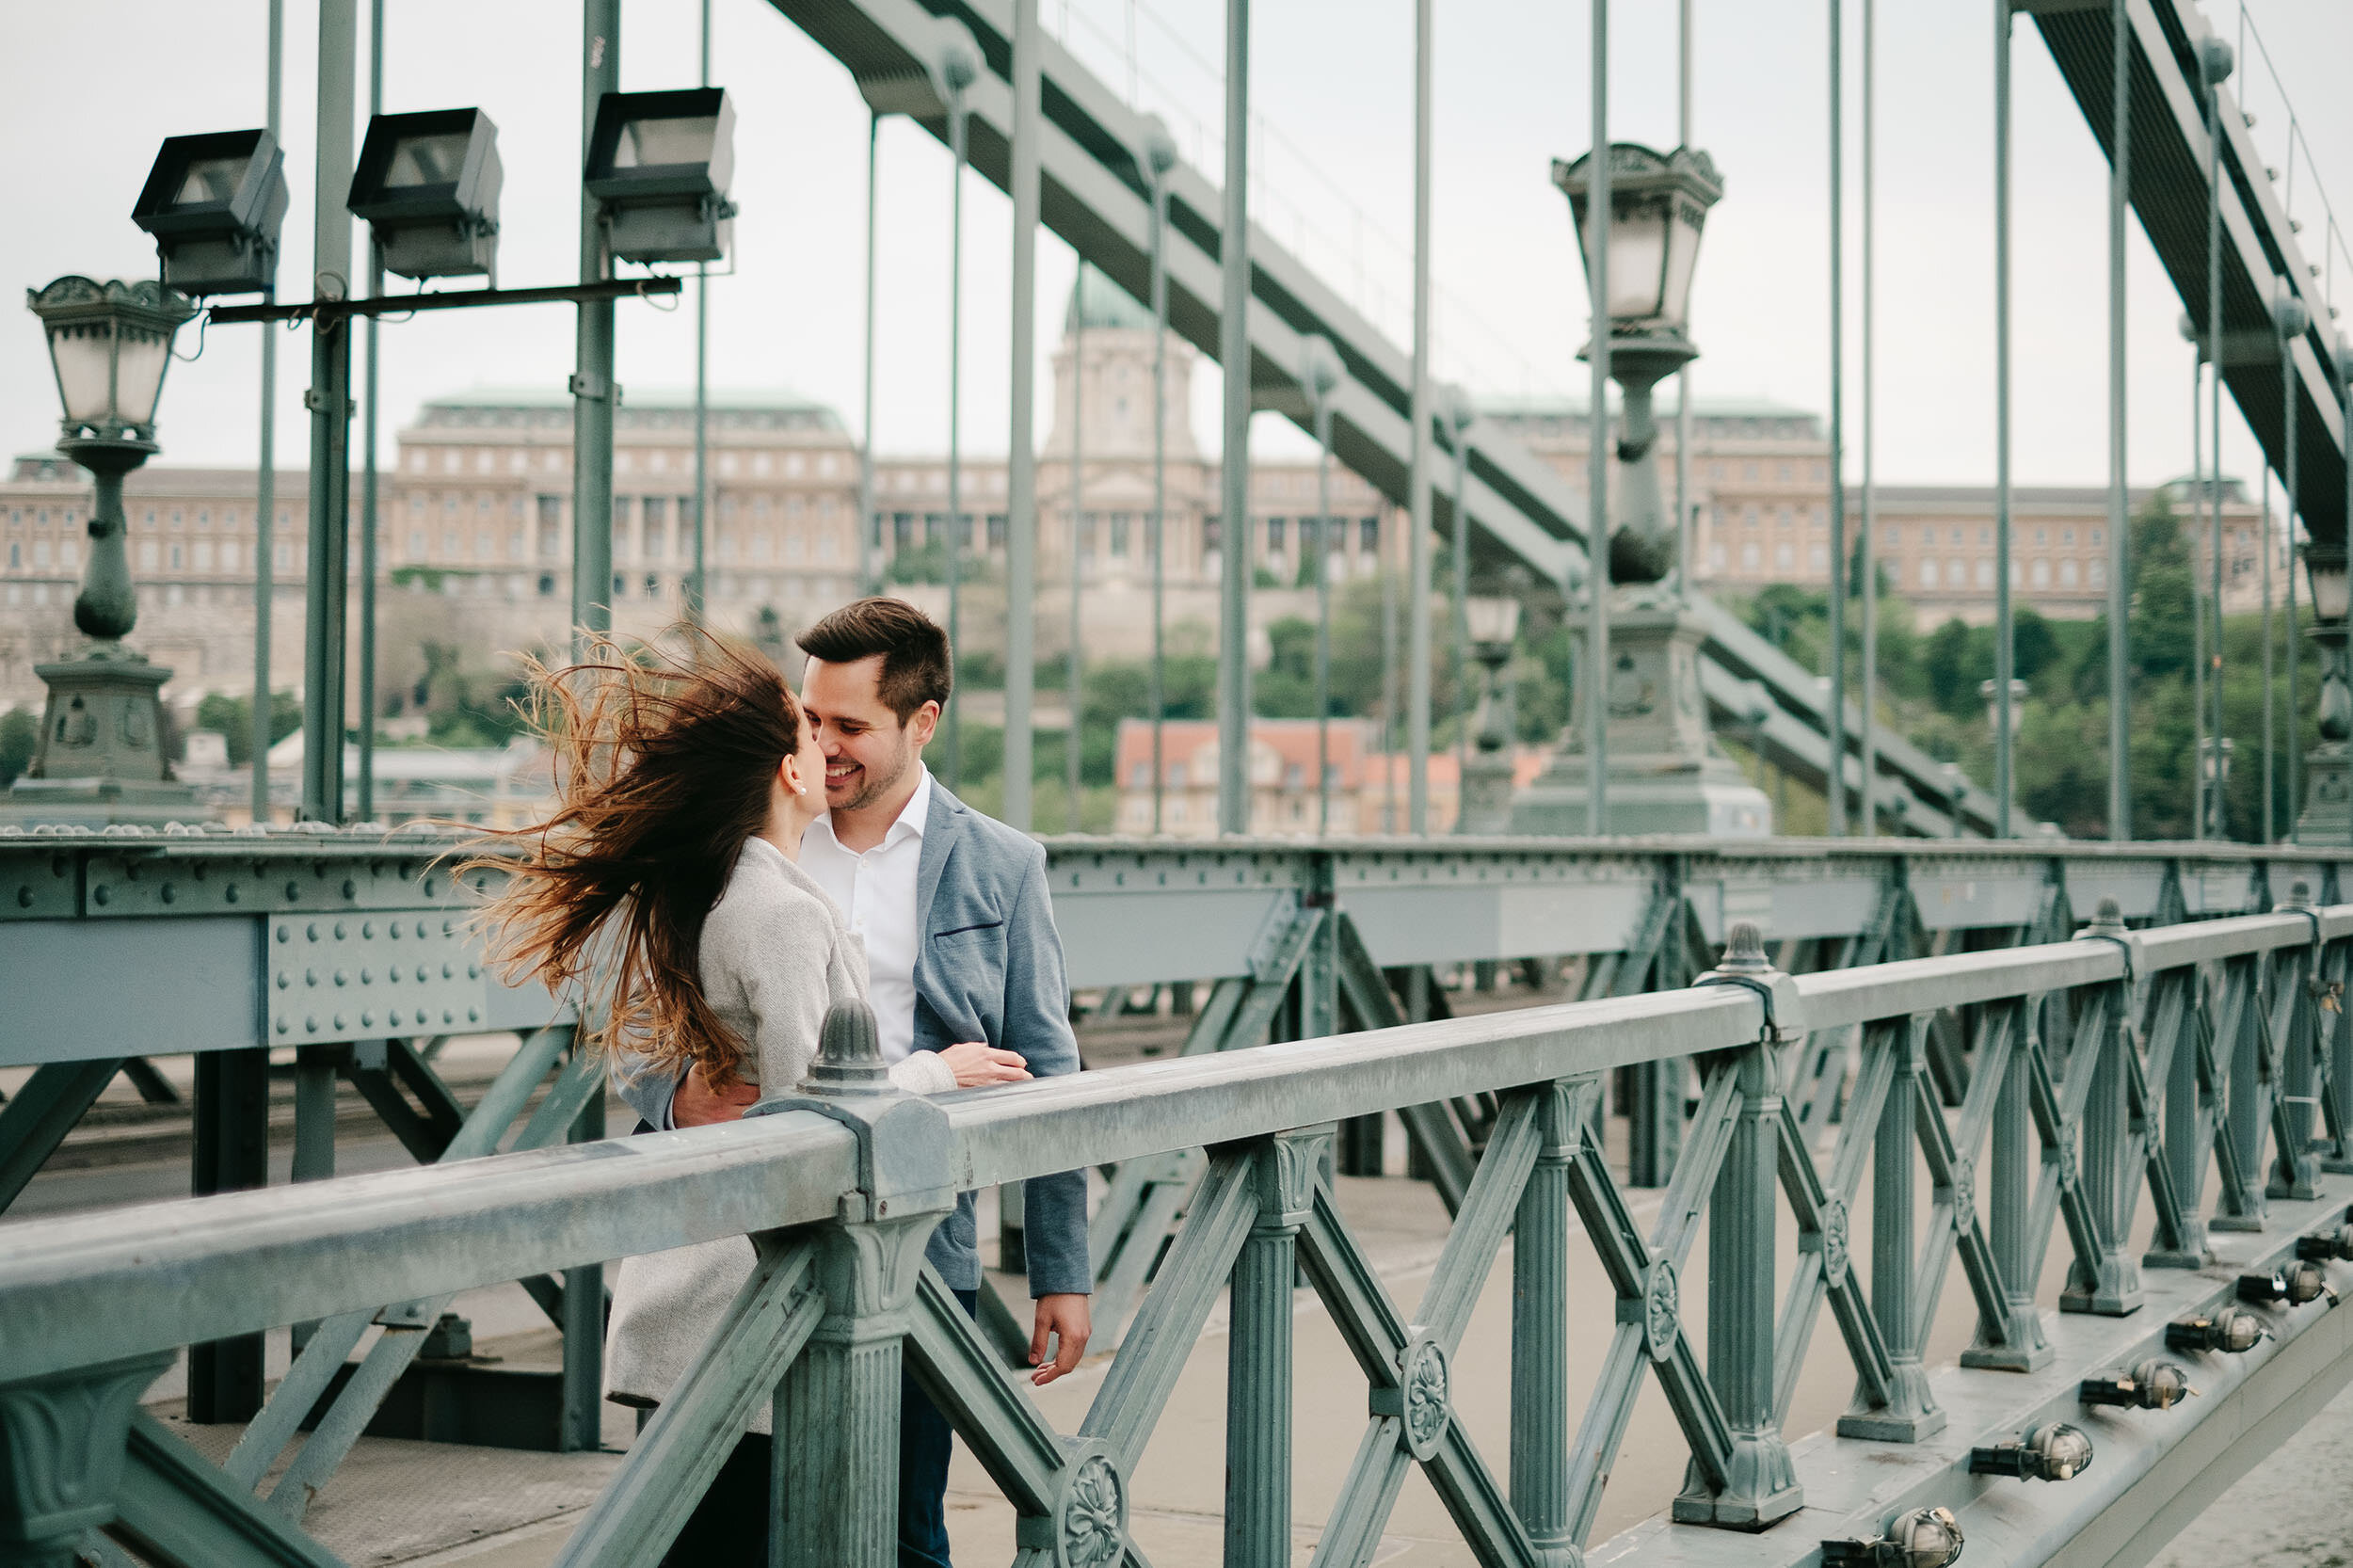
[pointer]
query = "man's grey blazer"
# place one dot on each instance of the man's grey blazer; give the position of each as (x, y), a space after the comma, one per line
(990, 968)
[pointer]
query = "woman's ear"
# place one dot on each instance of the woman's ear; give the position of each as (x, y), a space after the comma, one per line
(789, 774)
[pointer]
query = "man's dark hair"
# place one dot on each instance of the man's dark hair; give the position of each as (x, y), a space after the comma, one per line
(915, 668)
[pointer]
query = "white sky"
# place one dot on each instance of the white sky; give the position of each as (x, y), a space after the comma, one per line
(102, 83)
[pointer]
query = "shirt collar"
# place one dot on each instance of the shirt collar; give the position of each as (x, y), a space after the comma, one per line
(908, 823)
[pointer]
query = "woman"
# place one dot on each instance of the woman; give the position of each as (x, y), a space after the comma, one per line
(668, 872)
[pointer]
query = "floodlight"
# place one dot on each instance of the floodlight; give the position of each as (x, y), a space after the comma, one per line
(214, 204)
(658, 166)
(428, 186)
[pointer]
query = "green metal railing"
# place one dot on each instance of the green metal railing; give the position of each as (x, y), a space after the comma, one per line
(2104, 1067)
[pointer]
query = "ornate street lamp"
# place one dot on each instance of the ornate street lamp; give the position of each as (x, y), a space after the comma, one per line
(1492, 623)
(2328, 769)
(100, 758)
(1665, 773)
(1658, 204)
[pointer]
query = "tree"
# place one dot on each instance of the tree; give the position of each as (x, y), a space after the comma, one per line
(20, 737)
(232, 716)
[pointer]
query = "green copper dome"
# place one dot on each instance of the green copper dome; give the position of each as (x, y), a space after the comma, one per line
(1095, 302)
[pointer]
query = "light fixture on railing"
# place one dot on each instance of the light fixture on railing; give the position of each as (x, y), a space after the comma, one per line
(659, 165)
(2150, 1385)
(2225, 1329)
(2295, 1283)
(2334, 1246)
(1924, 1538)
(2052, 1452)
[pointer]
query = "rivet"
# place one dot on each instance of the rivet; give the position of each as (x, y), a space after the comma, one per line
(367, 929)
(448, 970)
(229, 894)
(312, 1023)
(367, 1021)
(293, 890)
(312, 931)
(429, 887)
(341, 978)
(391, 1019)
(421, 973)
(393, 930)
(281, 1024)
(474, 1015)
(23, 898)
(284, 980)
(392, 975)
(100, 894)
(168, 894)
(309, 977)
(449, 928)
(285, 934)
(448, 1016)
(340, 933)
(338, 1020)
(474, 971)
(367, 977)
(350, 888)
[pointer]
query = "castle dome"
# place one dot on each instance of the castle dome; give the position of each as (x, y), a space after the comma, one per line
(1095, 302)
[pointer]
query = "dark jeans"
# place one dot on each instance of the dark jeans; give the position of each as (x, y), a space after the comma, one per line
(729, 1526)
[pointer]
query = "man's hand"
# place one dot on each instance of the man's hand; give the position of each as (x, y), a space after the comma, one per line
(978, 1063)
(697, 1104)
(1067, 1318)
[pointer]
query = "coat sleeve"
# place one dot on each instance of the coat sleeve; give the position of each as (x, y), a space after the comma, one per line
(645, 1088)
(1037, 1024)
(779, 961)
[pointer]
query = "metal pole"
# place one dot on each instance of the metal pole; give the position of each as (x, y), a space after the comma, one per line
(1157, 694)
(2270, 731)
(2005, 779)
(1870, 745)
(593, 392)
(1233, 353)
(1388, 688)
(959, 124)
(1598, 454)
(1021, 452)
(1683, 376)
(325, 590)
(1418, 482)
(1835, 784)
(2214, 417)
(1323, 615)
(2198, 610)
(2296, 657)
(366, 799)
(695, 584)
(265, 491)
(1458, 419)
(2120, 514)
(869, 547)
(1072, 685)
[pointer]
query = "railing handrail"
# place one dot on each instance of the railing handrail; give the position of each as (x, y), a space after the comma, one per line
(164, 1274)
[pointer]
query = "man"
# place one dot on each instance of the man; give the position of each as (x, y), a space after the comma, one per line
(960, 945)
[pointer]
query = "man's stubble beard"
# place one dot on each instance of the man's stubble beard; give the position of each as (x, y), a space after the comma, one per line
(875, 789)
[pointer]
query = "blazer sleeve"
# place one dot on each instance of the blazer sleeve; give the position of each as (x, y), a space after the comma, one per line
(1037, 1024)
(646, 1089)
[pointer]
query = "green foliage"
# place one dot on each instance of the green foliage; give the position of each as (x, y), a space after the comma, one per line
(234, 718)
(20, 734)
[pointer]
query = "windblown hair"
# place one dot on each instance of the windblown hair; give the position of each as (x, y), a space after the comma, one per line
(662, 765)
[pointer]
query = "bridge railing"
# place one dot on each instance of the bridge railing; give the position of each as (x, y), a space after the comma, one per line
(2108, 1063)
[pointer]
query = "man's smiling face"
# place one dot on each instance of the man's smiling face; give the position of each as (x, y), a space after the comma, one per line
(870, 754)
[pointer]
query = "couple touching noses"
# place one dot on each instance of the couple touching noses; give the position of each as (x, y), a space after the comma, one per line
(802, 856)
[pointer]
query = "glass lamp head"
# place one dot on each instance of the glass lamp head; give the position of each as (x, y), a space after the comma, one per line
(427, 185)
(1658, 204)
(1492, 620)
(658, 166)
(214, 203)
(109, 345)
(2325, 565)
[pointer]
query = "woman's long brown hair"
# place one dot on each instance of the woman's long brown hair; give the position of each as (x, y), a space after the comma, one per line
(663, 766)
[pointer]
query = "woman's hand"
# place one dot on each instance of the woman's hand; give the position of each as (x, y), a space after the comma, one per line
(977, 1065)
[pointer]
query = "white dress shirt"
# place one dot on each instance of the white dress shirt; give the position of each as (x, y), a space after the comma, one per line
(876, 893)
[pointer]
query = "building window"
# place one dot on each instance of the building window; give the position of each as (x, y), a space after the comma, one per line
(1749, 557)
(2099, 574)
(1928, 575)
(1119, 533)
(1784, 557)
(1274, 532)
(1368, 536)
(2042, 573)
(1985, 573)
(1891, 537)
(2067, 573)
(1956, 572)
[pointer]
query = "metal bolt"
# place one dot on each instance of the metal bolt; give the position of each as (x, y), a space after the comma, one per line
(100, 894)
(167, 893)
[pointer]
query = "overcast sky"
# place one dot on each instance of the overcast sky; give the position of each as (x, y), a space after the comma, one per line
(87, 92)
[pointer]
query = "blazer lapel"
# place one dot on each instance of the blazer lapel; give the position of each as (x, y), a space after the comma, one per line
(943, 824)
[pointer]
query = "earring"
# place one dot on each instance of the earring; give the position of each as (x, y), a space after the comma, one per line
(800, 789)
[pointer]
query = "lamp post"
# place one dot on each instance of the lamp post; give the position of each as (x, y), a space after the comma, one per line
(1160, 156)
(100, 760)
(1490, 623)
(1456, 409)
(2326, 769)
(1662, 771)
(957, 66)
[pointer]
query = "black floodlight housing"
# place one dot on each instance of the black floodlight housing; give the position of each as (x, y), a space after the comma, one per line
(427, 185)
(2294, 1285)
(658, 166)
(2150, 1385)
(214, 204)
(1924, 1538)
(2334, 1246)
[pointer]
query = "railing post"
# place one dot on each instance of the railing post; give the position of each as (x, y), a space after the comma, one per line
(580, 1426)
(1541, 1491)
(1258, 1353)
(62, 1439)
(2188, 1127)
(1760, 1484)
(2241, 1205)
(2112, 1287)
(2022, 1347)
(2334, 1039)
(2295, 1170)
(835, 1476)
(1911, 1412)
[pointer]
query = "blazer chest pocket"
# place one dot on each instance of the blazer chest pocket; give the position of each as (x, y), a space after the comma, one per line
(969, 960)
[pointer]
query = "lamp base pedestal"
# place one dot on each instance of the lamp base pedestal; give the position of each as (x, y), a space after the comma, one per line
(1666, 774)
(101, 760)
(1486, 794)
(2327, 820)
